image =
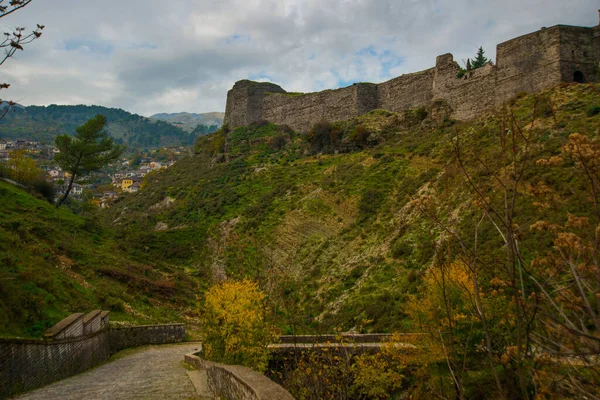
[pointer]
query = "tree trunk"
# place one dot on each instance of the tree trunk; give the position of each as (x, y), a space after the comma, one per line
(62, 200)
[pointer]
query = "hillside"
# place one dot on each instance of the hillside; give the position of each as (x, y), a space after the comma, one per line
(189, 121)
(482, 235)
(44, 123)
(53, 263)
(339, 238)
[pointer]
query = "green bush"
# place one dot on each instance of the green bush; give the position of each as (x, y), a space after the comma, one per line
(370, 202)
(593, 110)
(44, 188)
(323, 136)
(400, 249)
(360, 135)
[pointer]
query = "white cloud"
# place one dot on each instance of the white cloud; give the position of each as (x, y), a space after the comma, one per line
(151, 56)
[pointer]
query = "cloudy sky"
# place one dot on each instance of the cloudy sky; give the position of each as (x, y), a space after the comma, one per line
(150, 56)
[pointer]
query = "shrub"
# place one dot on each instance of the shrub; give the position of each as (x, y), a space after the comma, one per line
(370, 202)
(44, 188)
(278, 142)
(543, 107)
(286, 129)
(359, 135)
(341, 375)
(421, 113)
(218, 143)
(593, 110)
(379, 375)
(323, 136)
(234, 327)
(401, 248)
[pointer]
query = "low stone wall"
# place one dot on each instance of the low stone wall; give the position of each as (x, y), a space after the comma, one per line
(29, 364)
(75, 344)
(122, 338)
(237, 382)
(346, 337)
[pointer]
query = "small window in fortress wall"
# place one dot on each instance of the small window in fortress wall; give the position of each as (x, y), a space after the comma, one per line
(578, 77)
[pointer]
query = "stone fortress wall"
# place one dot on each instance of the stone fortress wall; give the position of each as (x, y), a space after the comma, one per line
(529, 63)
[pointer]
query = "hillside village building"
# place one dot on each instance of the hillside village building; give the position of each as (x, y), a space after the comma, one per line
(529, 63)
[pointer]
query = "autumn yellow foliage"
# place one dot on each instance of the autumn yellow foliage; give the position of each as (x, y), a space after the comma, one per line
(23, 168)
(235, 329)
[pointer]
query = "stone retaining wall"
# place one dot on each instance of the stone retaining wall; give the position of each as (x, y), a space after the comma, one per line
(349, 337)
(29, 364)
(122, 338)
(75, 344)
(237, 382)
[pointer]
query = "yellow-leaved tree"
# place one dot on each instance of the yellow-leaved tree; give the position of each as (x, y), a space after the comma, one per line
(234, 325)
(23, 168)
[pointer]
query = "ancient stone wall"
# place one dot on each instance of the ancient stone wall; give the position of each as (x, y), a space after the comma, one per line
(579, 51)
(237, 382)
(122, 338)
(245, 102)
(301, 111)
(406, 91)
(75, 344)
(469, 95)
(529, 63)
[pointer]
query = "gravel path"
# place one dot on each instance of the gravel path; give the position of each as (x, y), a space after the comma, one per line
(150, 372)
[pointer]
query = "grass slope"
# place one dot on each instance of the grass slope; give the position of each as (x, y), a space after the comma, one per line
(53, 263)
(334, 238)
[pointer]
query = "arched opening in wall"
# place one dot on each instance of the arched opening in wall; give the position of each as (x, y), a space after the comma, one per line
(578, 77)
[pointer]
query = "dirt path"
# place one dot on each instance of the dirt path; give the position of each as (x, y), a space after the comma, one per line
(150, 372)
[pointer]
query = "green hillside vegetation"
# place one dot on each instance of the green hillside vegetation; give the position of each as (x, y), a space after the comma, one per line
(192, 121)
(338, 239)
(53, 263)
(41, 123)
(482, 235)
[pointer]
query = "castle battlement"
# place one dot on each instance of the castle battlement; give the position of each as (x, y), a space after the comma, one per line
(529, 63)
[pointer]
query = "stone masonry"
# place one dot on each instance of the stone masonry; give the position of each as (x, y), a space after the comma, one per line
(76, 344)
(529, 63)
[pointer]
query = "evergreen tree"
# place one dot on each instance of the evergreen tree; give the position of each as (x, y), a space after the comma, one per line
(480, 59)
(90, 150)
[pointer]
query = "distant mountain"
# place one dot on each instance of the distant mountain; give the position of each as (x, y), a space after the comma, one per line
(4, 104)
(44, 123)
(189, 121)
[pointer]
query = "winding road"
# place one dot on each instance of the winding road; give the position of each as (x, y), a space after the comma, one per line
(149, 372)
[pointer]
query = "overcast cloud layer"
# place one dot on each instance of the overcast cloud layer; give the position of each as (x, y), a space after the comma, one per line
(150, 56)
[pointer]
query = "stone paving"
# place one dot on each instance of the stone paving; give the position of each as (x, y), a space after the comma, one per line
(149, 372)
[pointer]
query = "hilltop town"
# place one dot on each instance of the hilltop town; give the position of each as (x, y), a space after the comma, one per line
(101, 188)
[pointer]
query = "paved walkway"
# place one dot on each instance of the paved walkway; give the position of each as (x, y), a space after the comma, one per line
(149, 372)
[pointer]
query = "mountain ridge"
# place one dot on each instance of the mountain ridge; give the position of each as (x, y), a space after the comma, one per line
(189, 121)
(43, 123)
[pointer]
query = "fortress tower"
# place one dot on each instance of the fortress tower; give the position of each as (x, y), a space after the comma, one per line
(529, 63)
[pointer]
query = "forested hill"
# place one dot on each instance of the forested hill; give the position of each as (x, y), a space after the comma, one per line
(42, 123)
(203, 123)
